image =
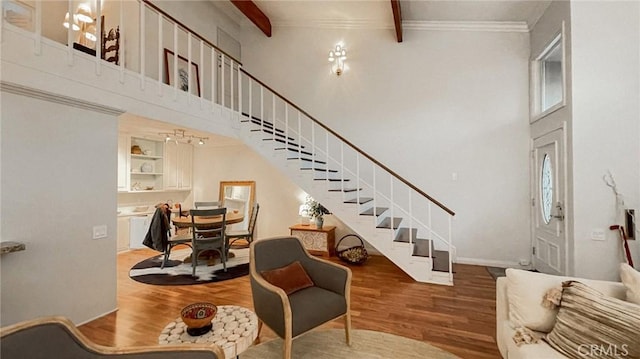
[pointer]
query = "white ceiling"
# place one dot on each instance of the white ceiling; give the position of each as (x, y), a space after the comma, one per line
(377, 13)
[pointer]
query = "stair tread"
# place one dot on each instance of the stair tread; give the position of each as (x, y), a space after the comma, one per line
(258, 121)
(386, 222)
(332, 180)
(307, 159)
(403, 235)
(294, 150)
(369, 212)
(362, 200)
(270, 131)
(345, 190)
(282, 141)
(318, 169)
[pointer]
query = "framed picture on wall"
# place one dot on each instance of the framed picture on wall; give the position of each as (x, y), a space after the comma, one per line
(183, 73)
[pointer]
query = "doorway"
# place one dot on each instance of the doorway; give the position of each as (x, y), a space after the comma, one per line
(550, 247)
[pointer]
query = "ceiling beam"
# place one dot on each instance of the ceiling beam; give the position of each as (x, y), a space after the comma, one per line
(397, 18)
(251, 11)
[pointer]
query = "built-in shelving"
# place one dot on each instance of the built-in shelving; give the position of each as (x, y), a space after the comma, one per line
(156, 165)
(146, 167)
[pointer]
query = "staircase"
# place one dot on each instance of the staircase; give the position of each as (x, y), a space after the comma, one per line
(391, 214)
(401, 221)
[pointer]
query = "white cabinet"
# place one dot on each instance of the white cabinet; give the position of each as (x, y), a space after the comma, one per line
(138, 228)
(178, 166)
(185, 160)
(123, 162)
(123, 234)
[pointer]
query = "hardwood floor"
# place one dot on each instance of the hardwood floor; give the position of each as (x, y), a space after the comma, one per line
(459, 319)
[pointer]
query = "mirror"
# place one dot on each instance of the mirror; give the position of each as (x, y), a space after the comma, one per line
(238, 195)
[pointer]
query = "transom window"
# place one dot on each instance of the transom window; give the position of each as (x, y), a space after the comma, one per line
(548, 78)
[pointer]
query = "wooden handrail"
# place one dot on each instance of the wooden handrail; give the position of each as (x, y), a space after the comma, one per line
(366, 155)
(185, 27)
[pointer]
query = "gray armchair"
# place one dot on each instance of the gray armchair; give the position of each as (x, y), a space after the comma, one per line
(292, 315)
(57, 337)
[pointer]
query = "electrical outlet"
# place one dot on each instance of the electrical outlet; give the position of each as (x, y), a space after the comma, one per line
(597, 234)
(99, 231)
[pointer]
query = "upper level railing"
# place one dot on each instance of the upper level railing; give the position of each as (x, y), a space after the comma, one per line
(155, 45)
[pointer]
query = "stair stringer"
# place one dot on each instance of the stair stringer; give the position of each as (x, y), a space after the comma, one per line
(420, 269)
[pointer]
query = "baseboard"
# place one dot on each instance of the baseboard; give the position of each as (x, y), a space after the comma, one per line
(489, 263)
(96, 317)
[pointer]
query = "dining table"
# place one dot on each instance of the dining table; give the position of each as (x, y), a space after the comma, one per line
(207, 222)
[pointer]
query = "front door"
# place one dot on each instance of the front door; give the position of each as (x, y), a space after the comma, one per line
(549, 232)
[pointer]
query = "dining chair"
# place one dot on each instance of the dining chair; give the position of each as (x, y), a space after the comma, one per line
(246, 234)
(174, 241)
(207, 204)
(208, 238)
(159, 236)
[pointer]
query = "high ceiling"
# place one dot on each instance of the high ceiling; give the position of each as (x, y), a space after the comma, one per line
(378, 14)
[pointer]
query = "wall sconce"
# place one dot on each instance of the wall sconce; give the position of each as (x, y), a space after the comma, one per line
(179, 134)
(83, 22)
(337, 58)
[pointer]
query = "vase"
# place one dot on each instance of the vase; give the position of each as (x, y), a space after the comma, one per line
(319, 221)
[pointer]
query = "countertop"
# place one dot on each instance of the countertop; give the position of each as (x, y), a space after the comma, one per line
(130, 211)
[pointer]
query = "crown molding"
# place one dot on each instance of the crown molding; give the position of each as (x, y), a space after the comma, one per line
(56, 98)
(488, 26)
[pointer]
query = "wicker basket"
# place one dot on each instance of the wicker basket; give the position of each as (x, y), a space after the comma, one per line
(355, 254)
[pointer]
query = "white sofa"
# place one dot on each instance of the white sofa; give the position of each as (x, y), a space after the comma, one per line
(519, 298)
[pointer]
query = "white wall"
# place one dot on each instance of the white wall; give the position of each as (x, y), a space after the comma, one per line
(277, 195)
(58, 181)
(441, 102)
(606, 127)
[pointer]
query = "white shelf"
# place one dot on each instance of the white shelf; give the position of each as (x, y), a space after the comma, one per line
(146, 157)
(146, 173)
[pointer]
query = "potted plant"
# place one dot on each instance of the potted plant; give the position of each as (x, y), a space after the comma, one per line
(316, 211)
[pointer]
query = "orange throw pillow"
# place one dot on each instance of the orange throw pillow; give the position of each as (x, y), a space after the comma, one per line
(291, 278)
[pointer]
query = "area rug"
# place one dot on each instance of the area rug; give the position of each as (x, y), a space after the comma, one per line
(177, 271)
(365, 344)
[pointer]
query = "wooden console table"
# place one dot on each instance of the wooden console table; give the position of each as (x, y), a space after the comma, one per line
(318, 241)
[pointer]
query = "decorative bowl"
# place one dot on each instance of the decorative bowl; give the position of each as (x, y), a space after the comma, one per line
(198, 315)
(136, 150)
